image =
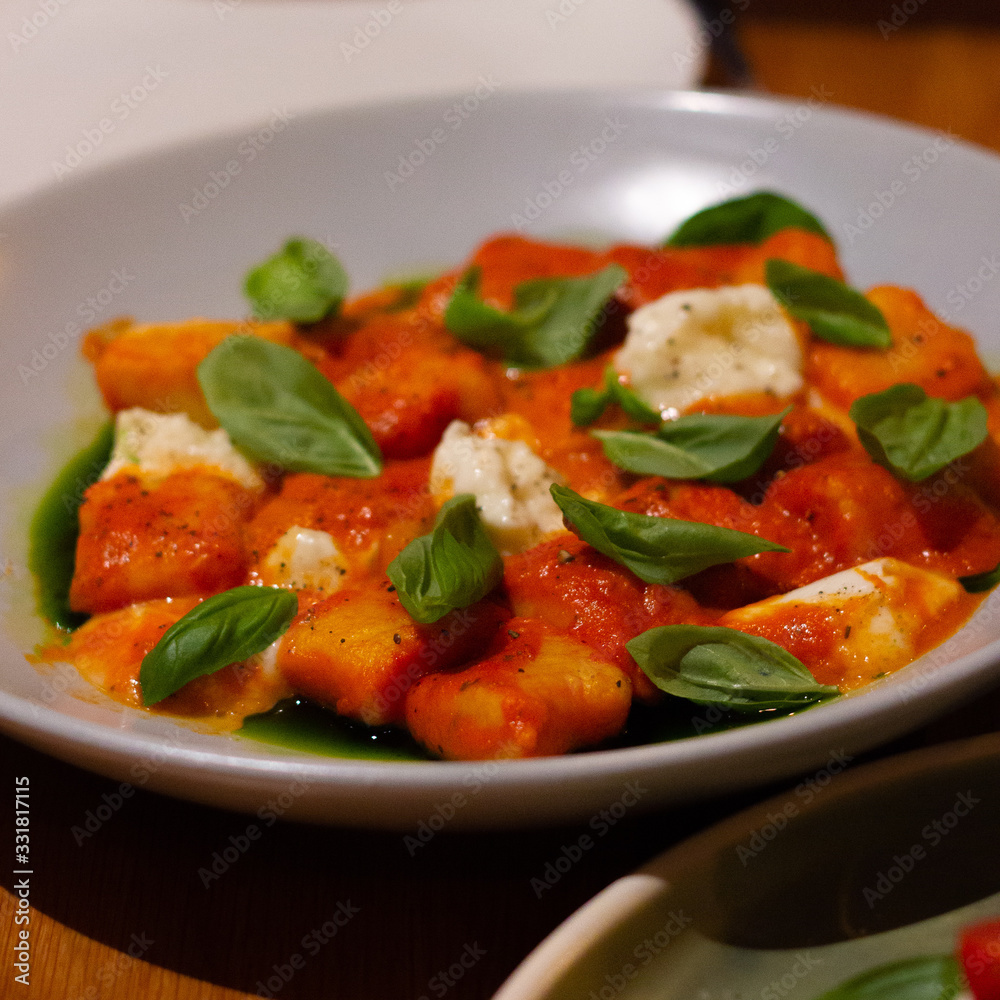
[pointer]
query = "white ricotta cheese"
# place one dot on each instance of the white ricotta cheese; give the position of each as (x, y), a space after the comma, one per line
(157, 444)
(704, 342)
(304, 559)
(510, 482)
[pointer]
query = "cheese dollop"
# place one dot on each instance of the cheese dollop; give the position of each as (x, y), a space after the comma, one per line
(510, 482)
(710, 342)
(155, 445)
(304, 559)
(878, 606)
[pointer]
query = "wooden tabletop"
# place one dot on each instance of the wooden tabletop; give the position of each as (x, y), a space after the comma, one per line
(124, 913)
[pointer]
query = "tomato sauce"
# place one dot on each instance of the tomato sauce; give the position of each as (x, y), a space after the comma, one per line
(541, 665)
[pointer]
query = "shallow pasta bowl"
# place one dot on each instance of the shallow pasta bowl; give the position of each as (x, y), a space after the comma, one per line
(404, 188)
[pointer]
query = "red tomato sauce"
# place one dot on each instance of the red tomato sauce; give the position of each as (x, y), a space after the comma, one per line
(541, 666)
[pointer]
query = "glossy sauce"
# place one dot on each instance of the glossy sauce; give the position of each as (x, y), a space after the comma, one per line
(353, 648)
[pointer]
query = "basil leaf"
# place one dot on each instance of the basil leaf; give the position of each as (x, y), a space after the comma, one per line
(278, 408)
(713, 665)
(915, 435)
(931, 977)
(223, 629)
(553, 320)
(979, 582)
(629, 400)
(656, 549)
(834, 312)
(587, 405)
(452, 567)
(745, 220)
(717, 447)
(303, 282)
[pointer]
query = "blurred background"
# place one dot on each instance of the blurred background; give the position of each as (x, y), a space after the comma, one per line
(82, 81)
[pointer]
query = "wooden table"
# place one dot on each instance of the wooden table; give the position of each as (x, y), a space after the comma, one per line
(123, 913)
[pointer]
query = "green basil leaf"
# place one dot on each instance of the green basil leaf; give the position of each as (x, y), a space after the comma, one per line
(452, 567)
(649, 455)
(303, 282)
(713, 665)
(745, 220)
(656, 549)
(223, 629)
(629, 400)
(930, 977)
(915, 435)
(979, 582)
(587, 405)
(278, 408)
(553, 320)
(717, 447)
(834, 312)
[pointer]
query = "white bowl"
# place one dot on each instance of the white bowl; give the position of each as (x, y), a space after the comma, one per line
(401, 187)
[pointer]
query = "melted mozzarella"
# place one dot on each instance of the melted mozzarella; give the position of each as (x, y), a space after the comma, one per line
(879, 606)
(304, 559)
(510, 482)
(158, 444)
(705, 342)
